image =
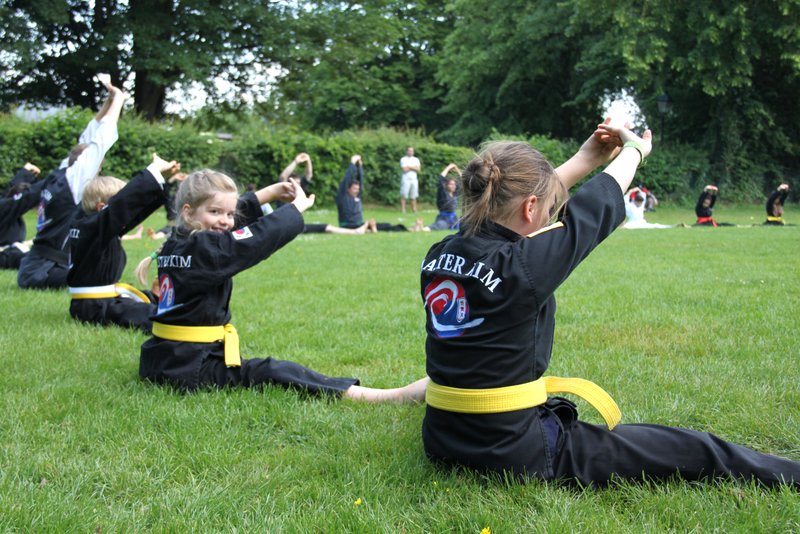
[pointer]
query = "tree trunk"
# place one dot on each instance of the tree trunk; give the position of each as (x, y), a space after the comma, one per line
(148, 96)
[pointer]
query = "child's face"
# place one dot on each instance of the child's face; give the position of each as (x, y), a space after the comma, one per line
(354, 189)
(215, 214)
(451, 186)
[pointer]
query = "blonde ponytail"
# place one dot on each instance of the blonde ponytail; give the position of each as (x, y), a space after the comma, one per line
(141, 271)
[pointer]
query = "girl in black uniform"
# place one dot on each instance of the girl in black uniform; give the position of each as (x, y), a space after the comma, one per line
(96, 253)
(775, 206)
(488, 294)
(193, 344)
(22, 195)
(704, 206)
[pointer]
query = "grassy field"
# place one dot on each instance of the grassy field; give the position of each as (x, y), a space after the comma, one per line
(690, 327)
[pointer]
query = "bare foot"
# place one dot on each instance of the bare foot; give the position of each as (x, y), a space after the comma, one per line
(363, 228)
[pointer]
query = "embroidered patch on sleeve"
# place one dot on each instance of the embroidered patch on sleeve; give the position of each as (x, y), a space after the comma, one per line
(242, 233)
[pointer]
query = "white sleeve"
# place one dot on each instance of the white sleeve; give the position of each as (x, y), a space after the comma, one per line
(85, 138)
(89, 131)
(88, 163)
(153, 168)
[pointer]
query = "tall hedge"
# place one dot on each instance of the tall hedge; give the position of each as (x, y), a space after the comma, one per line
(257, 152)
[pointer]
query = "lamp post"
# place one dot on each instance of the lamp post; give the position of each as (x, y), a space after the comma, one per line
(664, 107)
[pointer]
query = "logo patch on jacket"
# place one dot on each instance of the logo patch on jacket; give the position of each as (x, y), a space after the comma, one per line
(242, 233)
(447, 303)
(167, 299)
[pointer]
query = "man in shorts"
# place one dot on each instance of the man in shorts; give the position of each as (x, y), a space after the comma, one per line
(409, 186)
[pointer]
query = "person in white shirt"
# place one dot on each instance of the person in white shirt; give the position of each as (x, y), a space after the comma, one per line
(634, 211)
(409, 185)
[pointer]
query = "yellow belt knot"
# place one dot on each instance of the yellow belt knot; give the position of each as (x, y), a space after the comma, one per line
(521, 396)
(204, 334)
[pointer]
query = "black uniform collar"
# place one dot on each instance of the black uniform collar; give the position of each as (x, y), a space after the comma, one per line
(494, 230)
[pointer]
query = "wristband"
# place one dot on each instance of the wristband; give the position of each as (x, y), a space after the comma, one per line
(638, 146)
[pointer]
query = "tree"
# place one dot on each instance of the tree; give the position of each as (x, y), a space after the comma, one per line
(54, 47)
(367, 64)
(508, 66)
(731, 69)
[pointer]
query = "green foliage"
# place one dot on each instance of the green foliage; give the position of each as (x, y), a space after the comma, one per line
(370, 64)
(53, 49)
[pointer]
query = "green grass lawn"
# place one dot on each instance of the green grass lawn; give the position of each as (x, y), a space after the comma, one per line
(692, 327)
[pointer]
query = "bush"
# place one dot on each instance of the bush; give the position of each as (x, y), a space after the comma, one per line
(258, 151)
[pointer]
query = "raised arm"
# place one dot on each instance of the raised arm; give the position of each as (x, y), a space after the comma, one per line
(634, 150)
(450, 168)
(88, 163)
(302, 157)
(594, 152)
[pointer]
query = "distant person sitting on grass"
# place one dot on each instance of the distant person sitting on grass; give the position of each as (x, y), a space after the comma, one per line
(22, 195)
(775, 206)
(348, 201)
(290, 172)
(218, 235)
(47, 264)
(446, 202)
(170, 186)
(704, 206)
(488, 293)
(635, 200)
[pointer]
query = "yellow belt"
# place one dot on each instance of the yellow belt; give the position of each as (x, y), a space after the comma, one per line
(204, 334)
(770, 218)
(528, 395)
(108, 292)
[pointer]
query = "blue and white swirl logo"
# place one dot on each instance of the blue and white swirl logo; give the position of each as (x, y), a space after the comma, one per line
(166, 300)
(447, 303)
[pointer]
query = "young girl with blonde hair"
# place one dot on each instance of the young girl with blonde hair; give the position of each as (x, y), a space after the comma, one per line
(218, 235)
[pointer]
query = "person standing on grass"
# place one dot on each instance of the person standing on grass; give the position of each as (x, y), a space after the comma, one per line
(488, 293)
(47, 264)
(193, 344)
(111, 208)
(409, 184)
(775, 206)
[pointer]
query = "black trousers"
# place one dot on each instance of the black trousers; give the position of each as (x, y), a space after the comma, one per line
(119, 311)
(36, 272)
(593, 455)
(258, 371)
(11, 257)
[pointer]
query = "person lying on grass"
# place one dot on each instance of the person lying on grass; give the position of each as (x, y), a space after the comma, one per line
(489, 299)
(218, 235)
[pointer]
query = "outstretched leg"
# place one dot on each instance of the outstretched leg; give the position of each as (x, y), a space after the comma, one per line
(413, 392)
